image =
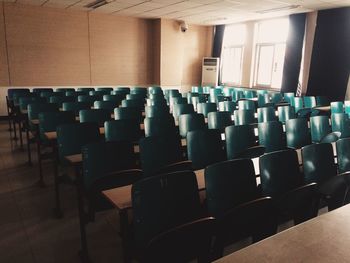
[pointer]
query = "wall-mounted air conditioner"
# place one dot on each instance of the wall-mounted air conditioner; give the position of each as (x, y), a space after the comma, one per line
(210, 71)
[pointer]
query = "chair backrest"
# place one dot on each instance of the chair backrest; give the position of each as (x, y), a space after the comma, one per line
(116, 98)
(229, 184)
(279, 173)
(76, 106)
(72, 137)
(104, 89)
(309, 101)
(160, 126)
(25, 101)
(320, 127)
(191, 122)
(106, 105)
(38, 90)
(60, 100)
(85, 89)
(76, 93)
(122, 130)
(337, 107)
(271, 136)
(163, 202)
(156, 111)
(50, 120)
(249, 94)
(99, 93)
(133, 103)
(159, 151)
(238, 139)
(246, 105)
(229, 106)
(243, 117)
(297, 133)
(88, 98)
(205, 108)
(318, 162)
(136, 96)
(276, 97)
(341, 123)
(156, 101)
(288, 97)
(298, 103)
(219, 120)
(35, 108)
(139, 90)
(204, 147)
(120, 92)
(190, 95)
(12, 92)
(266, 114)
(95, 115)
(343, 149)
(183, 243)
(179, 109)
(103, 158)
(322, 101)
(286, 113)
(127, 113)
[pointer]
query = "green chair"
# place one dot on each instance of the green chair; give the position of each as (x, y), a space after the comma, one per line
(249, 94)
(135, 97)
(276, 97)
(197, 89)
(99, 93)
(106, 105)
(160, 126)
(120, 92)
(127, 113)
(157, 152)
(190, 95)
(156, 102)
(126, 90)
(204, 147)
(179, 109)
(322, 101)
(88, 98)
(337, 107)
(38, 90)
(157, 111)
(289, 97)
(156, 96)
(343, 149)
(25, 101)
(190, 122)
(244, 117)
(264, 100)
(139, 90)
(219, 120)
(309, 101)
(159, 206)
(122, 130)
(76, 106)
(341, 123)
(76, 93)
(98, 116)
(298, 103)
(229, 106)
(205, 108)
(246, 105)
(271, 136)
(60, 100)
(109, 89)
(282, 180)
(133, 104)
(266, 114)
(116, 98)
(35, 108)
(319, 126)
(196, 100)
(319, 167)
(238, 139)
(286, 113)
(64, 89)
(237, 95)
(297, 133)
(48, 94)
(154, 90)
(85, 89)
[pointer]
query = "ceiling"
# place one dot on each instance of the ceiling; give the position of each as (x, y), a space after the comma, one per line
(203, 12)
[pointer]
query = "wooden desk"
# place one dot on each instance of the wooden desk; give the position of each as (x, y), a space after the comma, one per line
(121, 197)
(323, 239)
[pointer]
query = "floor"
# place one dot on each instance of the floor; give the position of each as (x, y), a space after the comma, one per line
(28, 230)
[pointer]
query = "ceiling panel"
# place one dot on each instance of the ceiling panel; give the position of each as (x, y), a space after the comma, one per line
(206, 12)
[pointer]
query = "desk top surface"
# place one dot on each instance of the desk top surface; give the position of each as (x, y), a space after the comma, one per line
(323, 239)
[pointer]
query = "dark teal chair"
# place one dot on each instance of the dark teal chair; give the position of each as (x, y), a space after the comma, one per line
(133, 104)
(160, 126)
(109, 89)
(116, 98)
(196, 100)
(341, 123)
(156, 111)
(76, 93)
(99, 93)
(219, 120)
(244, 117)
(288, 97)
(127, 113)
(88, 98)
(98, 116)
(156, 102)
(38, 90)
(106, 105)
(271, 136)
(343, 157)
(76, 106)
(309, 101)
(120, 92)
(156, 96)
(297, 133)
(204, 147)
(179, 109)
(249, 94)
(157, 152)
(136, 96)
(139, 90)
(64, 89)
(60, 100)
(246, 105)
(266, 114)
(320, 127)
(298, 103)
(191, 122)
(282, 180)
(276, 97)
(322, 101)
(229, 106)
(122, 130)
(286, 113)
(190, 95)
(35, 108)
(25, 101)
(205, 108)
(85, 89)
(264, 100)
(238, 139)
(237, 95)
(337, 107)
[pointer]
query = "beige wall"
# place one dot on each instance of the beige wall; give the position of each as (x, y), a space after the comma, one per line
(56, 47)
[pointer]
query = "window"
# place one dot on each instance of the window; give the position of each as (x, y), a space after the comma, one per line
(271, 37)
(232, 54)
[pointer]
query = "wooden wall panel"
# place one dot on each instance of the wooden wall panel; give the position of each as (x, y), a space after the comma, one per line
(4, 76)
(47, 46)
(120, 50)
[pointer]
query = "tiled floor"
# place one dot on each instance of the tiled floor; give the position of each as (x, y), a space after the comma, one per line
(28, 230)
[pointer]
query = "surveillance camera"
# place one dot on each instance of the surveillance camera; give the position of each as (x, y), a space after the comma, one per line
(183, 26)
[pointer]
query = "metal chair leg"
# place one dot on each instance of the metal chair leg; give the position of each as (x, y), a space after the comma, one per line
(28, 148)
(41, 182)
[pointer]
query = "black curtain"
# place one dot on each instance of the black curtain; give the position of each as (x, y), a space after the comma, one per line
(218, 39)
(294, 48)
(330, 60)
